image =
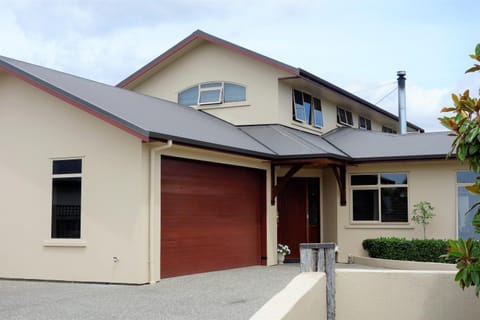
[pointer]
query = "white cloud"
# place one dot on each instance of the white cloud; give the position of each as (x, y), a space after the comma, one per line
(106, 40)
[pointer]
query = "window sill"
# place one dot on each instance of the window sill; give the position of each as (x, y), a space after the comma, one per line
(222, 105)
(380, 226)
(65, 243)
(345, 125)
(307, 126)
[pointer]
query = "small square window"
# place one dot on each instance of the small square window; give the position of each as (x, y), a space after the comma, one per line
(344, 117)
(210, 96)
(388, 130)
(364, 123)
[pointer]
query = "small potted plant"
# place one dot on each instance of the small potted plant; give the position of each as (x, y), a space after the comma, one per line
(282, 251)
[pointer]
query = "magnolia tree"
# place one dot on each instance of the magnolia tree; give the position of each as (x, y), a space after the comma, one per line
(464, 122)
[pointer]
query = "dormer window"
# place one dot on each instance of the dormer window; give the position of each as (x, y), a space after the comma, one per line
(307, 109)
(212, 93)
(344, 117)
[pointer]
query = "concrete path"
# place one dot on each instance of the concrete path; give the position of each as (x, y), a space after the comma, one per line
(231, 294)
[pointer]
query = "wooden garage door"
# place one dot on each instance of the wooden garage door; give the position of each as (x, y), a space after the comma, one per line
(212, 218)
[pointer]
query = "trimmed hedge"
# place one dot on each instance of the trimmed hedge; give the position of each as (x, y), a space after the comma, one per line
(402, 249)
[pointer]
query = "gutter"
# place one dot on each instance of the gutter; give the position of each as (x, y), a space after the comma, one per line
(151, 210)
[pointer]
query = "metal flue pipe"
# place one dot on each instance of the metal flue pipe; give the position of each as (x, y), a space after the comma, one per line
(402, 103)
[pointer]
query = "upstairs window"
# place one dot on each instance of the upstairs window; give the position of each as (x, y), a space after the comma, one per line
(66, 198)
(212, 93)
(380, 197)
(388, 130)
(364, 123)
(344, 117)
(307, 109)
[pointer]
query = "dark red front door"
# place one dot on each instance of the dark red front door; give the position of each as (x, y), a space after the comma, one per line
(299, 214)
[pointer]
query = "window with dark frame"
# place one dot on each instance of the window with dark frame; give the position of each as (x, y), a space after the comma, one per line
(307, 109)
(388, 130)
(379, 197)
(212, 93)
(364, 123)
(66, 198)
(344, 117)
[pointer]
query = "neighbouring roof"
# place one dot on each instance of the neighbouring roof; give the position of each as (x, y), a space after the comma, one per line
(150, 118)
(192, 41)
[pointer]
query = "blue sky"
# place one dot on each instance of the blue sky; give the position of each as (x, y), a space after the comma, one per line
(358, 45)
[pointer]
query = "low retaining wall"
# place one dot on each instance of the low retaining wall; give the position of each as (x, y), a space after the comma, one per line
(375, 295)
(403, 294)
(403, 265)
(303, 298)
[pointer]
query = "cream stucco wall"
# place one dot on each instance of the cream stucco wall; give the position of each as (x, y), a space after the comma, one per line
(269, 96)
(209, 62)
(374, 295)
(396, 294)
(330, 201)
(303, 298)
(329, 102)
(433, 181)
(35, 128)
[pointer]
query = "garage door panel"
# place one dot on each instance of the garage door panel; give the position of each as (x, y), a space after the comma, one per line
(212, 216)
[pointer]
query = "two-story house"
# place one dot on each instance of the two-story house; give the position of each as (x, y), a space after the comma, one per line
(203, 160)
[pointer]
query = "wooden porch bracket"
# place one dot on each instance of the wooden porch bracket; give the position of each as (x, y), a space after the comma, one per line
(340, 175)
(278, 187)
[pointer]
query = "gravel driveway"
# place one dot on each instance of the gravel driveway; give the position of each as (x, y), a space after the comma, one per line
(231, 294)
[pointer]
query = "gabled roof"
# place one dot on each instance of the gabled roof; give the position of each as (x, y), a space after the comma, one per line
(143, 116)
(191, 42)
(363, 145)
(197, 37)
(150, 118)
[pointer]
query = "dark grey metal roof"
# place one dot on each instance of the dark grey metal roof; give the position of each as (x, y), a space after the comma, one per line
(291, 143)
(363, 145)
(152, 118)
(147, 116)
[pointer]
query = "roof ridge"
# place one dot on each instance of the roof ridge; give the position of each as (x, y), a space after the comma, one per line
(199, 34)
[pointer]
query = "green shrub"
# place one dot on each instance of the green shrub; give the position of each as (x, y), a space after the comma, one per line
(411, 250)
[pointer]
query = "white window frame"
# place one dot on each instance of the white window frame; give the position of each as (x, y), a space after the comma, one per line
(345, 112)
(298, 111)
(379, 188)
(457, 202)
(66, 241)
(203, 88)
(218, 88)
